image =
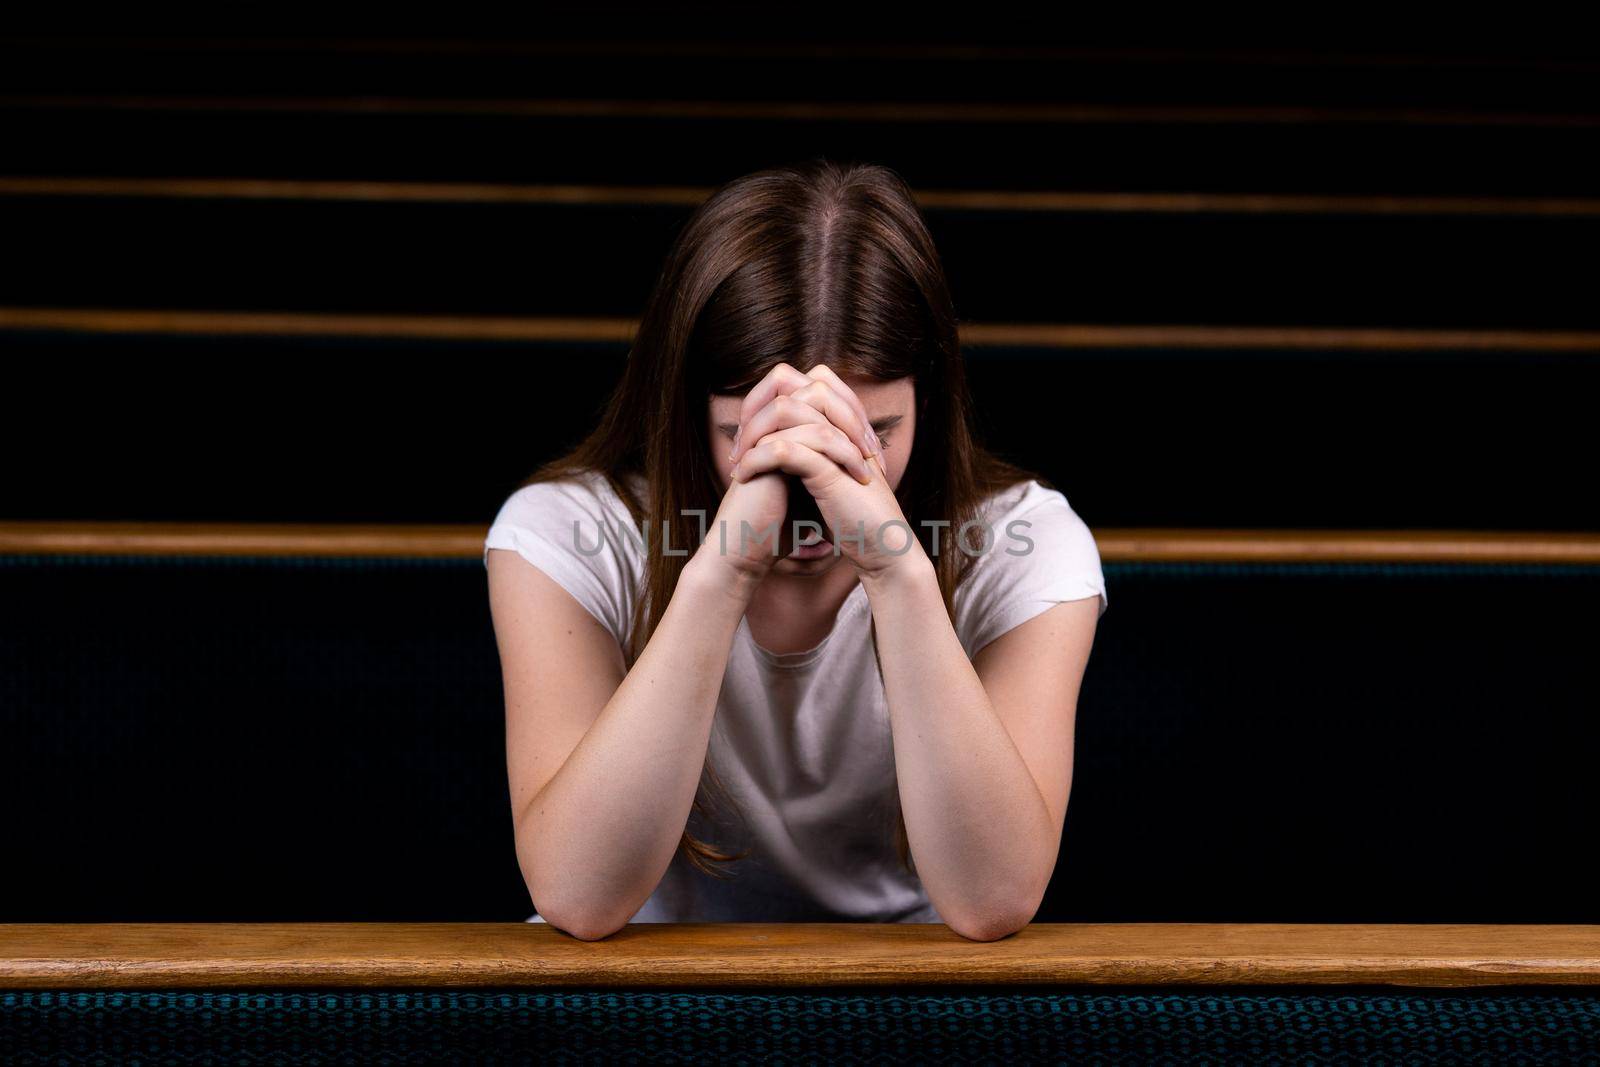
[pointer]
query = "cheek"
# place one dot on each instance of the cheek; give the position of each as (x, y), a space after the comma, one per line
(720, 445)
(899, 456)
(897, 467)
(719, 459)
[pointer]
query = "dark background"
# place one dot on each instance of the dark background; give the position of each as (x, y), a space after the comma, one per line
(1340, 276)
(1377, 252)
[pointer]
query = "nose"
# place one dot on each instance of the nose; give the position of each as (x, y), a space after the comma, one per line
(802, 507)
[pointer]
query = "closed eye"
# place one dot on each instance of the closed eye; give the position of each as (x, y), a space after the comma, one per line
(881, 427)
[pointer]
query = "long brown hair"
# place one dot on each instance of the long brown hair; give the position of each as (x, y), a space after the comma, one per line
(817, 262)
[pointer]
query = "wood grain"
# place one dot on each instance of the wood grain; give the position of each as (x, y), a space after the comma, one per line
(316, 324)
(816, 110)
(1196, 545)
(191, 955)
(240, 539)
(1011, 200)
(1117, 544)
(1065, 336)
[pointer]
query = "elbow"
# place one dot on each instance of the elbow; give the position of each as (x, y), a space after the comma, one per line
(999, 919)
(991, 926)
(584, 919)
(1000, 915)
(582, 915)
(586, 923)
(584, 927)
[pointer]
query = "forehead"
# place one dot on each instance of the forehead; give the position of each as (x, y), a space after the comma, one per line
(882, 397)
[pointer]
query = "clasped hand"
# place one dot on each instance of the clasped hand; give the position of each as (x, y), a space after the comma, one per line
(814, 427)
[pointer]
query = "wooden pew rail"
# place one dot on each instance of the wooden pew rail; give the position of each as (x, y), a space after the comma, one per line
(766, 955)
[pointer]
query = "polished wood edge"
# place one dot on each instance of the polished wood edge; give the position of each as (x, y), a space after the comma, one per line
(1015, 200)
(1191, 545)
(188, 955)
(621, 331)
(223, 539)
(892, 111)
(1117, 545)
(298, 324)
(1013, 51)
(1257, 338)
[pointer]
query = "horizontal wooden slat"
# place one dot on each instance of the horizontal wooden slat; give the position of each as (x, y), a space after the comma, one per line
(299, 324)
(620, 330)
(1117, 545)
(1345, 546)
(1073, 335)
(933, 199)
(894, 111)
(378, 191)
(240, 539)
(925, 48)
(192, 955)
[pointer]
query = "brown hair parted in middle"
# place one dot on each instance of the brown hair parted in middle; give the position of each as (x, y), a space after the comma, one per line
(818, 262)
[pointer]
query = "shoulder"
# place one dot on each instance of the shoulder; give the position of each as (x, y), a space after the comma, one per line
(1032, 550)
(579, 531)
(1031, 521)
(1027, 500)
(558, 502)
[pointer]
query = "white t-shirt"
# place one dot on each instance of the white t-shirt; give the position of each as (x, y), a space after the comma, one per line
(802, 739)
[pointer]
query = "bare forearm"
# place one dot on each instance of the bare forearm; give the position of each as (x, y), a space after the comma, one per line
(597, 838)
(978, 827)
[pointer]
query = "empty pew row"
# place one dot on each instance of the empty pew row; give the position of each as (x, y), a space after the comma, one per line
(1031, 113)
(985, 63)
(304, 723)
(1220, 264)
(423, 418)
(514, 993)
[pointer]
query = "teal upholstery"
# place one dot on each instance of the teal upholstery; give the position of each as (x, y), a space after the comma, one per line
(995, 1025)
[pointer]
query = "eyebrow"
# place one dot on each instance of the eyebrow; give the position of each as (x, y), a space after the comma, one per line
(883, 425)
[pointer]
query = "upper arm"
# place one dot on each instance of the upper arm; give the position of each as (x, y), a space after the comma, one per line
(560, 667)
(1032, 674)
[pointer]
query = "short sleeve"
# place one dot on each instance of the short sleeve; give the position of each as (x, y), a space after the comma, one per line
(1033, 553)
(580, 533)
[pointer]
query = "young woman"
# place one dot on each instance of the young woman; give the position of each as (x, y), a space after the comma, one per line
(715, 715)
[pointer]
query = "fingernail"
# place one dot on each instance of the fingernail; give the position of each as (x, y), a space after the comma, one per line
(873, 437)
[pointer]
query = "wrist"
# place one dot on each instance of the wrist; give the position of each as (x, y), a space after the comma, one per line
(911, 570)
(714, 571)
